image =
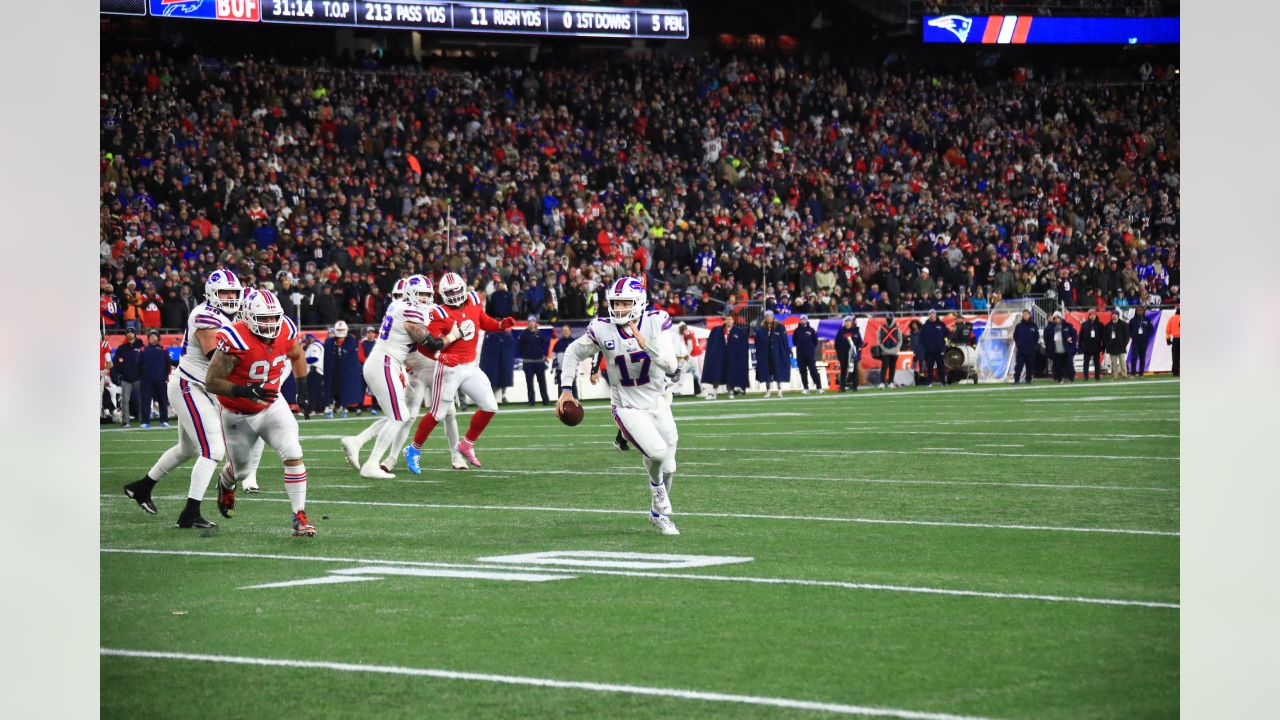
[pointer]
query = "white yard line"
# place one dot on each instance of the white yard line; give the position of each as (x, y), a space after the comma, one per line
(629, 471)
(789, 704)
(738, 516)
(668, 576)
(925, 451)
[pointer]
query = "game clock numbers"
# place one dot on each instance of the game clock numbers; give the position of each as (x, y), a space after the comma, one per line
(316, 12)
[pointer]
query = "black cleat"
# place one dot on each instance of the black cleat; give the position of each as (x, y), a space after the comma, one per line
(193, 520)
(140, 492)
(620, 442)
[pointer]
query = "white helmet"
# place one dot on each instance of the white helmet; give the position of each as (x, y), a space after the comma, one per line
(453, 289)
(419, 291)
(627, 288)
(397, 291)
(221, 280)
(262, 313)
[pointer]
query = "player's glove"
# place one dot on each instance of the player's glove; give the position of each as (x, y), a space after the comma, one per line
(255, 391)
(454, 333)
(506, 324)
(467, 328)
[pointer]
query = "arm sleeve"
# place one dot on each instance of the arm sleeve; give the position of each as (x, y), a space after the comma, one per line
(584, 348)
(486, 323)
(662, 352)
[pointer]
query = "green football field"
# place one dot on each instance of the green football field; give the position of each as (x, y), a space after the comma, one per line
(990, 552)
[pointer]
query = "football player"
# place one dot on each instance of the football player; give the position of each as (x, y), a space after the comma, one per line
(420, 370)
(250, 363)
(640, 355)
(403, 329)
(457, 368)
(199, 424)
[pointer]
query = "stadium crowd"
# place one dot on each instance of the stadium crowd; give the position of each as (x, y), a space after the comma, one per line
(816, 189)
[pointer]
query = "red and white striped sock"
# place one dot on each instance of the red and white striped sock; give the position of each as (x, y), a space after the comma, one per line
(295, 485)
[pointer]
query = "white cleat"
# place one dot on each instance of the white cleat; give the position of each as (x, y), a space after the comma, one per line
(661, 502)
(250, 485)
(351, 449)
(375, 472)
(768, 393)
(804, 392)
(779, 393)
(664, 524)
(458, 462)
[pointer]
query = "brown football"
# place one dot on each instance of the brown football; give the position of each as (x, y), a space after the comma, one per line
(571, 415)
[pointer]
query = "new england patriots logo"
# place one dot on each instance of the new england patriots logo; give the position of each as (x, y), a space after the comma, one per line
(958, 25)
(185, 7)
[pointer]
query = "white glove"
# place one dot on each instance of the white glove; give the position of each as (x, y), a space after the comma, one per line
(468, 329)
(453, 334)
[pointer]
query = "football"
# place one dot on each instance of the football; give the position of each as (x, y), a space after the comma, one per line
(571, 415)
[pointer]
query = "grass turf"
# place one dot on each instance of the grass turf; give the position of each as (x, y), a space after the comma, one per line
(1069, 492)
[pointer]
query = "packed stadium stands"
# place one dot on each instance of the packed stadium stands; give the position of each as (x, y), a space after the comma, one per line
(817, 188)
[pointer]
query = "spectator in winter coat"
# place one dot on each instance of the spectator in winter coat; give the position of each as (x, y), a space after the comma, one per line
(153, 381)
(1117, 344)
(1060, 344)
(326, 307)
(773, 355)
(1140, 333)
(499, 303)
(1092, 342)
(532, 348)
(126, 371)
(1026, 343)
(737, 352)
(889, 341)
(344, 379)
(933, 334)
(805, 338)
(848, 349)
(715, 363)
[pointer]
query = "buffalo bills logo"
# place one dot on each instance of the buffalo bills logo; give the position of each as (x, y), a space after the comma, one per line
(180, 7)
(958, 25)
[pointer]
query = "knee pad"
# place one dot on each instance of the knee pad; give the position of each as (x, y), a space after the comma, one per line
(292, 451)
(669, 460)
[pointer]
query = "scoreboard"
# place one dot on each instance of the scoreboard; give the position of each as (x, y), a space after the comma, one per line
(500, 18)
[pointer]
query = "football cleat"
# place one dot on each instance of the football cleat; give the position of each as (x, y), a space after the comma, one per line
(188, 520)
(375, 472)
(412, 459)
(302, 527)
(226, 500)
(663, 523)
(140, 492)
(351, 449)
(661, 502)
(468, 450)
(457, 461)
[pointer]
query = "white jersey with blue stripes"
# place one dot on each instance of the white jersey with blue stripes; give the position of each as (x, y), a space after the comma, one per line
(637, 378)
(193, 364)
(393, 338)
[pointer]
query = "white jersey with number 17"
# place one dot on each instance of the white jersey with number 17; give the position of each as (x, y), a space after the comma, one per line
(637, 378)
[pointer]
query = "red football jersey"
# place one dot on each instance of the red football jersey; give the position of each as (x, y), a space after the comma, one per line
(260, 361)
(441, 321)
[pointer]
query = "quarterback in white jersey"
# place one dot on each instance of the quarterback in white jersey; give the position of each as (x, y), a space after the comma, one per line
(403, 329)
(639, 354)
(421, 370)
(199, 414)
